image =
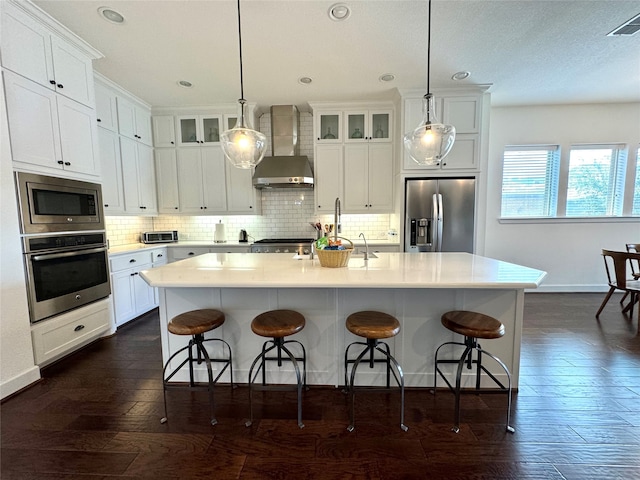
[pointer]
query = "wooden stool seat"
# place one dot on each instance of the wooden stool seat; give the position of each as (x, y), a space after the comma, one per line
(196, 322)
(473, 324)
(373, 325)
(278, 323)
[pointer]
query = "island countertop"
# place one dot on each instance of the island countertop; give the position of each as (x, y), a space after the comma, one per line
(389, 270)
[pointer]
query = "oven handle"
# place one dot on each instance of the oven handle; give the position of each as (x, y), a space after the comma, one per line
(51, 256)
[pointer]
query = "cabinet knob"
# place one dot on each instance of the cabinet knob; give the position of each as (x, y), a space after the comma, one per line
(172, 143)
(52, 82)
(191, 253)
(60, 85)
(78, 328)
(60, 162)
(250, 206)
(176, 208)
(99, 120)
(106, 205)
(133, 260)
(67, 163)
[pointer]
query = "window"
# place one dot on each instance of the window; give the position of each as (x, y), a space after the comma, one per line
(636, 189)
(530, 181)
(537, 182)
(596, 180)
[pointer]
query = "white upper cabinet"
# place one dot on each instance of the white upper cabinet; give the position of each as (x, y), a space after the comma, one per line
(111, 168)
(242, 197)
(464, 112)
(367, 173)
(49, 132)
(328, 176)
(199, 130)
(106, 108)
(201, 175)
(164, 131)
(167, 181)
(328, 126)
(138, 177)
(30, 49)
(367, 126)
(134, 121)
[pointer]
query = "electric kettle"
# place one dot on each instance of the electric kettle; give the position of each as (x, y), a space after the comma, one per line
(243, 237)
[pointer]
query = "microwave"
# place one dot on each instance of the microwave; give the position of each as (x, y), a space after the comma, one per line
(52, 204)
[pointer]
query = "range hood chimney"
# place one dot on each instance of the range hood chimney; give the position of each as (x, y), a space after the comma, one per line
(285, 169)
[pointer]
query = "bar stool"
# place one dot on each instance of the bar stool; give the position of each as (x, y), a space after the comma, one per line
(277, 325)
(373, 326)
(473, 326)
(196, 323)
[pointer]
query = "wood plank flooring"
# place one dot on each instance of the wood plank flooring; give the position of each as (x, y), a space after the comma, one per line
(96, 416)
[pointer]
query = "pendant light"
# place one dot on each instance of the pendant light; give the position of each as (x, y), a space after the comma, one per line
(243, 146)
(431, 141)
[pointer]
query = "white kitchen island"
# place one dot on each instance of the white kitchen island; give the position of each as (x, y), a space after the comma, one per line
(417, 288)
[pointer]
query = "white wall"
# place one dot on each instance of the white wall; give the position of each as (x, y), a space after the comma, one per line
(17, 367)
(568, 251)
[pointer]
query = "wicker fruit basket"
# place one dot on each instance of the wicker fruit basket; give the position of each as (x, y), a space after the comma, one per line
(336, 258)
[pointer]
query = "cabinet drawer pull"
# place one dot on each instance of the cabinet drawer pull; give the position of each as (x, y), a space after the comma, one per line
(191, 253)
(132, 260)
(159, 255)
(98, 119)
(60, 85)
(52, 82)
(60, 162)
(67, 163)
(78, 328)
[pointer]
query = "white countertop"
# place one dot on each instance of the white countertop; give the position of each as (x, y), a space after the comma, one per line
(134, 247)
(389, 270)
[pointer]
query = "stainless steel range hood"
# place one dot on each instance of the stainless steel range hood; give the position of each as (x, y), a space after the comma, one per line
(285, 169)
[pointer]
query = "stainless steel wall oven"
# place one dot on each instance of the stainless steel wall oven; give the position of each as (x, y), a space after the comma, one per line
(65, 271)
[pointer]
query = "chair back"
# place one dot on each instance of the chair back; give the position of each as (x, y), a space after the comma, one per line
(635, 264)
(615, 264)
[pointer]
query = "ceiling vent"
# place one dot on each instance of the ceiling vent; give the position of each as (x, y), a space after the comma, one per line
(627, 29)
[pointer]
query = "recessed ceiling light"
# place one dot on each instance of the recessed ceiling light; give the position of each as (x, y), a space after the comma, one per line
(185, 84)
(111, 15)
(387, 77)
(460, 75)
(305, 80)
(339, 12)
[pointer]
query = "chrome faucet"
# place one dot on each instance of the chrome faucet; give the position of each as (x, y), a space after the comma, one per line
(336, 219)
(366, 247)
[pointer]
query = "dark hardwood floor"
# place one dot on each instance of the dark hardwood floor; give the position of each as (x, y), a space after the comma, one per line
(96, 415)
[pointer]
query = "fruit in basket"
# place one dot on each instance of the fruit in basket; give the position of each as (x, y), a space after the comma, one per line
(327, 243)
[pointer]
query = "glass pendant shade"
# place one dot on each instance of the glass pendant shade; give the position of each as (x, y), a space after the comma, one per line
(431, 141)
(243, 146)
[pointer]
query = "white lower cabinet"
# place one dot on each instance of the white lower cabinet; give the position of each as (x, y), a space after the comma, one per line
(132, 296)
(60, 335)
(180, 253)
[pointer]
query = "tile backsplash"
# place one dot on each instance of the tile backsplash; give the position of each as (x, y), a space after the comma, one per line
(285, 212)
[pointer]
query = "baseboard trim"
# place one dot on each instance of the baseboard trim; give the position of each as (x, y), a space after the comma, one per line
(19, 382)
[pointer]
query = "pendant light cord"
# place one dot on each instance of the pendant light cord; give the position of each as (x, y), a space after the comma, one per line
(428, 51)
(240, 48)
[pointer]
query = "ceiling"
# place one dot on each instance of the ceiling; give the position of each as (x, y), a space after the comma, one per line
(530, 51)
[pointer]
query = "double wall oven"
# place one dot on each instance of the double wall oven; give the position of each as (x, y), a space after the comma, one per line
(64, 243)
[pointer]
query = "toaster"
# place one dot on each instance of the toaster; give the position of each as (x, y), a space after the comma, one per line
(160, 237)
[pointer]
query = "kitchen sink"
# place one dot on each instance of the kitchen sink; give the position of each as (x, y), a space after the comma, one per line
(361, 255)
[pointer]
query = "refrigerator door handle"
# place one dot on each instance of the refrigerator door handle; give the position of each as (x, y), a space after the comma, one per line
(440, 220)
(434, 223)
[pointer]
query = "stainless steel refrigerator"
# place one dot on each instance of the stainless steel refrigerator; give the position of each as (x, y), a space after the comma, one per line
(439, 214)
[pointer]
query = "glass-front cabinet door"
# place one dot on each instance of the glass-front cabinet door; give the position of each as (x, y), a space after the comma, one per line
(368, 126)
(199, 130)
(328, 127)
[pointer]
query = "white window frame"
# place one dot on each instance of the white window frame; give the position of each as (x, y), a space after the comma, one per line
(519, 154)
(622, 171)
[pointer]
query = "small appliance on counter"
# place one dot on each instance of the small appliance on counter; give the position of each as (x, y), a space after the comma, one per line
(219, 236)
(243, 237)
(160, 237)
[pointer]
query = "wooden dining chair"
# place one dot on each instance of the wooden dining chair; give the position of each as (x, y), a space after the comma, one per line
(615, 264)
(635, 272)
